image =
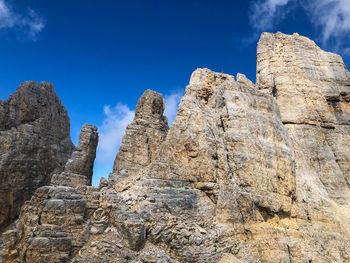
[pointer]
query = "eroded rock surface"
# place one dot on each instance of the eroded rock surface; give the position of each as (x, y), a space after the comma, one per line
(34, 143)
(312, 89)
(78, 169)
(54, 225)
(246, 173)
(143, 137)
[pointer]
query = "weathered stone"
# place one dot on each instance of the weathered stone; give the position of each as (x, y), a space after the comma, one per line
(317, 118)
(143, 137)
(34, 144)
(132, 227)
(311, 88)
(78, 169)
(69, 179)
(83, 157)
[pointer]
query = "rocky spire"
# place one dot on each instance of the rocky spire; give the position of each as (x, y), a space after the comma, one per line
(143, 137)
(82, 160)
(78, 169)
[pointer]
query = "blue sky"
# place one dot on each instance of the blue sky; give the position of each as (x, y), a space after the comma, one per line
(102, 55)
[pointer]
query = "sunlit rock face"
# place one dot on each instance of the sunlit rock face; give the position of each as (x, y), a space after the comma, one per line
(143, 137)
(246, 173)
(312, 90)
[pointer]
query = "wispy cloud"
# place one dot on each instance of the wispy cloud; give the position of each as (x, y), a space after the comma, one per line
(172, 101)
(330, 18)
(112, 130)
(30, 23)
(265, 14)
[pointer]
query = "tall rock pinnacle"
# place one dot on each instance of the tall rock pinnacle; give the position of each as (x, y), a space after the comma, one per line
(143, 137)
(312, 90)
(83, 157)
(79, 167)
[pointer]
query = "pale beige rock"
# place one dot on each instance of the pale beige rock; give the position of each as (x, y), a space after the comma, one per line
(244, 80)
(142, 140)
(143, 136)
(229, 258)
(311, 88)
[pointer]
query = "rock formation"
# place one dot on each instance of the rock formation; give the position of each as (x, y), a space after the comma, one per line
(34, 143)
(246, 173)
(78, 169)
(53, 225)
(143, 137)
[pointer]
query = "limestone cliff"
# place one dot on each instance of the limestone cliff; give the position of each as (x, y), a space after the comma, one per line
(246, 173)
(34, 143)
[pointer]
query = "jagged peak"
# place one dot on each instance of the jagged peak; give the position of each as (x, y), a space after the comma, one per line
(204, 75)
(150, 105)
(149, 127)
(32, 84)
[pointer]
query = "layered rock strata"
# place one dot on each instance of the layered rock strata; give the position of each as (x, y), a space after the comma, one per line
(312, 90)
(54, 225)
(143, 137)
(34, 143)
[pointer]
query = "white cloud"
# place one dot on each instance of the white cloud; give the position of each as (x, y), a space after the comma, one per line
(346, 51)
(6, 17)
(332, 17)
(266, 13)
(112, 130)
(172, 101)
(31, 23)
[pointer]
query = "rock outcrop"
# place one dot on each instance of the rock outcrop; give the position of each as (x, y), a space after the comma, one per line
(78, 169)
(53, 225)
(143, 137)
(246, 173)
(34, 143)
(312, 90)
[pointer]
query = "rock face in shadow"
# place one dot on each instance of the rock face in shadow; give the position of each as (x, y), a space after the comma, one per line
(53, 225)
(246, 173)
(34, 143)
